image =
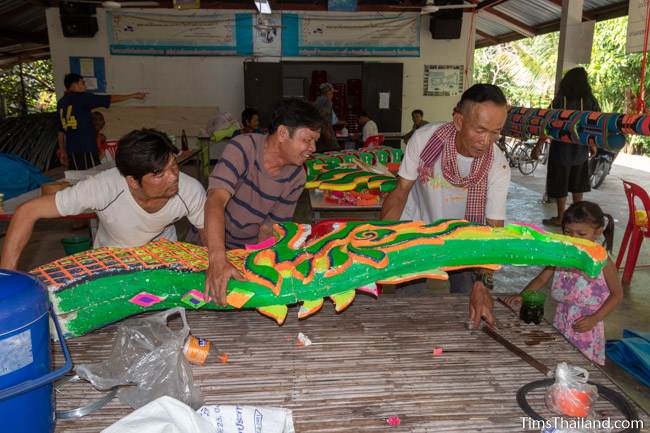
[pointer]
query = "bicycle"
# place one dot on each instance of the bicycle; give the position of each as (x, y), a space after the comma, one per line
(518, 153)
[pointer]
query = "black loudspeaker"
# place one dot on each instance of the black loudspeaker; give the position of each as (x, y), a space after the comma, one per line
(78, 19)
(446, 23)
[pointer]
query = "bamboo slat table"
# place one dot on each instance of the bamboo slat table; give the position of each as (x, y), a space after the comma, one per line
(366, 364)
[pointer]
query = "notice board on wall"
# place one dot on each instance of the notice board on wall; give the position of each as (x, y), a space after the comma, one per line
(185, 33)
(351, 34)
(92, 69)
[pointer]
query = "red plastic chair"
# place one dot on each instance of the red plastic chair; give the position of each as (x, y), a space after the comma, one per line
(374, 140)
(638, 227)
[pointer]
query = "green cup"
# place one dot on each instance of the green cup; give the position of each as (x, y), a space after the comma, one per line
(76, 244)
(533, 298)
(532, 307)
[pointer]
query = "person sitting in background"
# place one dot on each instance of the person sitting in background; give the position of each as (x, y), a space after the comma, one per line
(250, 121)
(418, 121)
(369, 127)
(136, 202)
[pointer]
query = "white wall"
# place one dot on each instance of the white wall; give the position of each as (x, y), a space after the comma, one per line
(185, 91)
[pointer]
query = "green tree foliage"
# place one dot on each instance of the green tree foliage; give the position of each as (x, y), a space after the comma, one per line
(611, 71)
(525, 70)
(39, 88)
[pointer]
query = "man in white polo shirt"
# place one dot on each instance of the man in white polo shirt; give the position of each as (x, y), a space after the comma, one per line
(137, 202)
(455, 170)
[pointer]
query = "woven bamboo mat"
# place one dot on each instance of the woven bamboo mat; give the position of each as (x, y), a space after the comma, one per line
(366, 364)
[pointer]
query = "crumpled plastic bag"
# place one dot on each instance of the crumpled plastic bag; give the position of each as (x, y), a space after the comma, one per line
(148, 356)
(571, 395)
(221, 121)
(166, 415)
(163, 415)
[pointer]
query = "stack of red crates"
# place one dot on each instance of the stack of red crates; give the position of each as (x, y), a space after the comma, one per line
(354, 105)
(317, 78)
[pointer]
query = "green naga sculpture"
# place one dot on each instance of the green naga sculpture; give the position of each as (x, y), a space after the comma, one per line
(94, 288)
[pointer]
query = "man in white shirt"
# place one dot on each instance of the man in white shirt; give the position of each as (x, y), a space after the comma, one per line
(137, 202)
(369, 126)
(455, 170)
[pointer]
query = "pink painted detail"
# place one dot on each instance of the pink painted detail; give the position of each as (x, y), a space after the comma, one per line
(530, 226)
(437, 351)
(393, 420)
(145, 299)
(369, 288)
(260, 246)
(199, 295)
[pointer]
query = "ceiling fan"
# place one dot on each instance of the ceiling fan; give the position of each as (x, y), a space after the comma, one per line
(111, 4)
(430, 8)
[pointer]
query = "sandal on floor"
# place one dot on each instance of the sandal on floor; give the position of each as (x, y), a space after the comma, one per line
(554, 222)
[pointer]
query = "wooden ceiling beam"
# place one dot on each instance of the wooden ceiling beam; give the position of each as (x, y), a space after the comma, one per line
(486, 36)
(485, 4)
(23, 36)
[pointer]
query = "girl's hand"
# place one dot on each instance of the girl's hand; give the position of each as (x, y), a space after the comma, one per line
(514, 301)
(585, 324)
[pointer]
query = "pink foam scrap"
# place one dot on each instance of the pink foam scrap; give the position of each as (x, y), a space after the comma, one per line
(437, 351)
(369, 288)
(393, 420)
(269, 242)
(530, 226)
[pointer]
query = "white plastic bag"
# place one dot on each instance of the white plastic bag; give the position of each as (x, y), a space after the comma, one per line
(571, 395)
(248, 419)
(147, 355)
(166, 415)
(163, 415)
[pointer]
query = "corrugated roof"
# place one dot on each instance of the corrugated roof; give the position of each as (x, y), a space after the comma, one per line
(23, 33)
(490, 27)
(530, 12)
(540, 16)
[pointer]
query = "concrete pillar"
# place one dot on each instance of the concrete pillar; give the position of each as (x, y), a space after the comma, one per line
(470, 17)
(566, 58)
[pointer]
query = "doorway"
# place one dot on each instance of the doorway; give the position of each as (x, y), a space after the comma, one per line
(373, 87)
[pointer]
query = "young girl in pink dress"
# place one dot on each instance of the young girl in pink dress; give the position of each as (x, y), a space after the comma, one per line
(583, 302)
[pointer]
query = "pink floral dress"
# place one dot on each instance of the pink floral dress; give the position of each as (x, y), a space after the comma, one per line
(579, 296)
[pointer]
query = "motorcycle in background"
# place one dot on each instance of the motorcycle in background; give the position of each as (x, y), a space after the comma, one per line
(600, 166)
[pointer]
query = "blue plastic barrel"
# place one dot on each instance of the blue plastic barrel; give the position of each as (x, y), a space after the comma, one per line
(26, 398)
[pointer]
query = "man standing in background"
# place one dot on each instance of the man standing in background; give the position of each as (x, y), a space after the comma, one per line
(77, 137)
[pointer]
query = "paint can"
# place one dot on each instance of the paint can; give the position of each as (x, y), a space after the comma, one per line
(196, 350)
(26, 397)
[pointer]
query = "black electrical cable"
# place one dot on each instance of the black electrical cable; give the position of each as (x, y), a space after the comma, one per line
(608, 394)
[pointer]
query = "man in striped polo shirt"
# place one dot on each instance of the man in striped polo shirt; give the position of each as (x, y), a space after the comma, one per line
(256, 184)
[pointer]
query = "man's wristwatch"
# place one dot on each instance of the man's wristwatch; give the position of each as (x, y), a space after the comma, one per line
(484, 277)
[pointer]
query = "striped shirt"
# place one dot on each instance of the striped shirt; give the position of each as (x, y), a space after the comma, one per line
(256, 197)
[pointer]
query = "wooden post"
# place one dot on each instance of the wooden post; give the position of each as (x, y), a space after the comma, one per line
(23, 98)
